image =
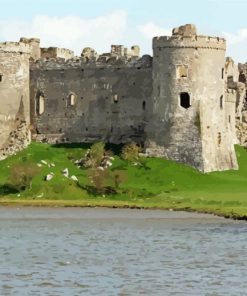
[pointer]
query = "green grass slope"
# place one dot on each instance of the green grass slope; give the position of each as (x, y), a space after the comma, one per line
(158, 184)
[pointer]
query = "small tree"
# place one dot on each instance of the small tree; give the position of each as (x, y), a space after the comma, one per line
(118, 178)
(21, 176)
(130, 152)
(99, 178)
(95, 155)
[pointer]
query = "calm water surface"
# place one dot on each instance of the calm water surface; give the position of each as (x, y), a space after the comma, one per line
(120, 252)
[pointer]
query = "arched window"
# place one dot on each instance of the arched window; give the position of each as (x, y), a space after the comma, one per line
(71, 100)
(185, 100)
(115, 98)
(40, 103)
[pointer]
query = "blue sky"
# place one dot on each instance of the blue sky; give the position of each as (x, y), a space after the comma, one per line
(99, 23)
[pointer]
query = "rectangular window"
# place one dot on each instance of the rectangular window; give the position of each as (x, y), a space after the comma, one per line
(1, 77)
(115, 98)
(158, 90)
(182, 71)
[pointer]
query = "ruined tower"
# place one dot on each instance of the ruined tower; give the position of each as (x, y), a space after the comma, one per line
(189, 113)
(14, 97)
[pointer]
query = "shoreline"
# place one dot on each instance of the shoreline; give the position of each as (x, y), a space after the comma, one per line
(115, 205)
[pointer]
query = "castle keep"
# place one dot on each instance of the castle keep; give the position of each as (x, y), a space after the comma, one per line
(186, 103)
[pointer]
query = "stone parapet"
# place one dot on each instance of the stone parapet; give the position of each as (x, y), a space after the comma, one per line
(81, 62)
(194, 41)
(13, 47)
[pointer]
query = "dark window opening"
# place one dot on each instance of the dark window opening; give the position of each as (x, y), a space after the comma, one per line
(1, 77)
(222, 73)
(158, 90)
(230, 79)
(185, 100)
(138, 68)
(143, 105)
(221, 102)
(242, 77)
(219, 138)
(246, 96)
(82, 98)
(229, 118)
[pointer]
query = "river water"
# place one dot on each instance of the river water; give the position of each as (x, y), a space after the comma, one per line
(76, 251)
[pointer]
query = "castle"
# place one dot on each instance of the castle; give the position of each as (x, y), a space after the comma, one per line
(186, 103)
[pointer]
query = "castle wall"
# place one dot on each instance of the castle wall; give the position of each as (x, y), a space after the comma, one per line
(55, 52)
(189, 70)
(88, 102)
(34, 44)
(14, 97)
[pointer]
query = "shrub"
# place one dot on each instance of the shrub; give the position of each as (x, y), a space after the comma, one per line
(118, 177)
(130, 152)
(99, 179)
(21, 176)
(94, 156)
(106, 181)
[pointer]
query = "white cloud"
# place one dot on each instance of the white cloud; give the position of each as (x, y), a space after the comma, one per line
(70, 31)
(233, 39)
(237, 44)
(150, 30)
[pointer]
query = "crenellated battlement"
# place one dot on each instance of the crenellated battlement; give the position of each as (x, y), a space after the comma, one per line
(186, 37)
(56, 52)
(195, 41)
(15, 47)
(100, 63)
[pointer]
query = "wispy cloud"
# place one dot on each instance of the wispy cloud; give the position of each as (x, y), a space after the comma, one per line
(70, 31)
(240, 36)
(150, 30)
(237, 44)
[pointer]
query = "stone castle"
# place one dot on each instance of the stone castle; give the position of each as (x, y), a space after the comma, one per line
(186, 103)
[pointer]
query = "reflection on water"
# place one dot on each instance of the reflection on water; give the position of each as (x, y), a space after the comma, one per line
(120, 252)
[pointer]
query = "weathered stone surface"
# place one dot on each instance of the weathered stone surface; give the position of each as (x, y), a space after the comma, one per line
(189, 105)
(180, 104)
(111, 100)
(14, 97)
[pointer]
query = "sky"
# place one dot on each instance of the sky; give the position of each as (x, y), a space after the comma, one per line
(76, 24)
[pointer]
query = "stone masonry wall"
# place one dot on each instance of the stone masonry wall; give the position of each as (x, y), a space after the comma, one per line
(14, 98)
(88, 101)
(189, 69)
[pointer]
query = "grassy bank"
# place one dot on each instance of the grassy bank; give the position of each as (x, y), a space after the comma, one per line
(158, 183)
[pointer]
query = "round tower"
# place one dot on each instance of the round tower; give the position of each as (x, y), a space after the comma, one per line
(188, 122)
(14, 97)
